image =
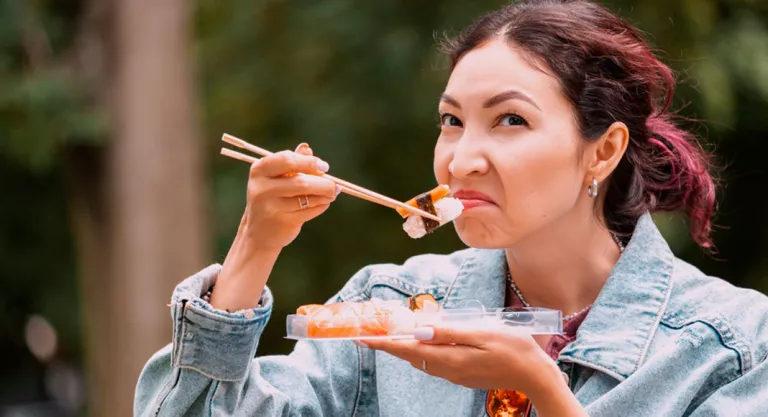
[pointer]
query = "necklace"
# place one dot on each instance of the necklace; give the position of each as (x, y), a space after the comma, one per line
(569, 316)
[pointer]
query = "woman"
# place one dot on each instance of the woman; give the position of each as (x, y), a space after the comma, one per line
(555, 135)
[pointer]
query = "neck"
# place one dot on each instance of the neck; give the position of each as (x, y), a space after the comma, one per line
(565, 266)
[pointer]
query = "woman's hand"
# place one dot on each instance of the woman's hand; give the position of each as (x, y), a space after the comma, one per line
(479, 358)
(490, 357)
(279, 202)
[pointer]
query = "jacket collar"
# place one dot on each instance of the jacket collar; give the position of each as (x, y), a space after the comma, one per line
(618, 330)
(615, 335)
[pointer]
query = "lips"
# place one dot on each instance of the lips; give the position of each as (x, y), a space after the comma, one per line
(472, 198)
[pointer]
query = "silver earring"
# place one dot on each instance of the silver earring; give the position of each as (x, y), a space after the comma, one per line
(592, 189)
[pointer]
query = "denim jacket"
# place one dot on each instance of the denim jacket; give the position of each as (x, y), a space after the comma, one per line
(662, 339)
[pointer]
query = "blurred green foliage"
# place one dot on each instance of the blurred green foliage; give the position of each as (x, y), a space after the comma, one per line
(359, 82)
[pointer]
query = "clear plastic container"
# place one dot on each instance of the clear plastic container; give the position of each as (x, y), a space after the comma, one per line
(399, 323)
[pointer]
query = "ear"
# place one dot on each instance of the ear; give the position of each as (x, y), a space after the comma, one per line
(606, 152)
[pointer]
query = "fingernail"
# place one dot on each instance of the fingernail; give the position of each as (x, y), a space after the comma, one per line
(322, 165)
(338, 190)
(359, 343)
(424, 333)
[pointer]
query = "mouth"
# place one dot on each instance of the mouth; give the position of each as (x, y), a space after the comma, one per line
(472, 198)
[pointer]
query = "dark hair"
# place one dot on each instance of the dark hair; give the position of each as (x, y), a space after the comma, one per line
(609, 73)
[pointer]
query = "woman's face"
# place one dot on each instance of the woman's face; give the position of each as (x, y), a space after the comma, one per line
(509, 148)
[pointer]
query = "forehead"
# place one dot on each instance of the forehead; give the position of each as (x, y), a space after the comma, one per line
(497, 66)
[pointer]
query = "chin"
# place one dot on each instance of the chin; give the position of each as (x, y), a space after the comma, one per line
(476, 234)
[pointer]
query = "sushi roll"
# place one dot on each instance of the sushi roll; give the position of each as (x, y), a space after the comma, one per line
(423, 302)
(436, 201)
(371, 318)
(357, 319)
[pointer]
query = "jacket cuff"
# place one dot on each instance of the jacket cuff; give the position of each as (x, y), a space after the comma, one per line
(213, 342)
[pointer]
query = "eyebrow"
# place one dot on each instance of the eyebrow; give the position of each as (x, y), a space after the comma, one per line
(450, 100)
(495, 100)
(509, 95)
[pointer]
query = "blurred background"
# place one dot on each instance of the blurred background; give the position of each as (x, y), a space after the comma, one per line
(113, 189)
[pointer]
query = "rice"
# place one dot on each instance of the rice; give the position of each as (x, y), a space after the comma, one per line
(447, 209)
(414, 226)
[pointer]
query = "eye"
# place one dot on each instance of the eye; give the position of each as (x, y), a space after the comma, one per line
(511, 119)
(447, 119)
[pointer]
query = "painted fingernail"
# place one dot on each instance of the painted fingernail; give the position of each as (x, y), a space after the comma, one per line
(322, 165)
(338, 190)
(424, 333)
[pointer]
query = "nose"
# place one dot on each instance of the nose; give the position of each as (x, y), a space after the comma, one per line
(468, 159)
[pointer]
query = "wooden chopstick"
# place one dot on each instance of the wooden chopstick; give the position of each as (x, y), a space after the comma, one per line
(344, 188)
(347, 187)
(247, 158)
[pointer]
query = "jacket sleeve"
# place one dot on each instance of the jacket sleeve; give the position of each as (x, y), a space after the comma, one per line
(744, 397)
(209, 367)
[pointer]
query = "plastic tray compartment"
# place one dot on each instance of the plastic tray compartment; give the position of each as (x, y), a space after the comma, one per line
(534, 320)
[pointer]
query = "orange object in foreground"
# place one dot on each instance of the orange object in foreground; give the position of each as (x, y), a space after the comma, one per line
(308, 309)
(350, 319)
(506, 403)
(423, 302)
(366, 318)
(434, 194)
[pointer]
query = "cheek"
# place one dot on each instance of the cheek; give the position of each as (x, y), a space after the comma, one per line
(441, 161)
(541, 176)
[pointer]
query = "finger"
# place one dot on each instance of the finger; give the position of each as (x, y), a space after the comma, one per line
(422, 365)
(433, 360)
(403, 349)
(412, 350)
(302, 202)
(310, 213)
(452, 335)
(301, 185)
(304, 149)
(431, 367)
(286, 162)
(440, 359)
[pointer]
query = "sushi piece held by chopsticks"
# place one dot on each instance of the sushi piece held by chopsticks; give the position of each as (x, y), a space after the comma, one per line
(437, 202)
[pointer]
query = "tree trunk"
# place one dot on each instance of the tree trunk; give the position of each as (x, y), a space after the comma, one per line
(88, 65)
(137, 205)
(155, 197)
(84, 172)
